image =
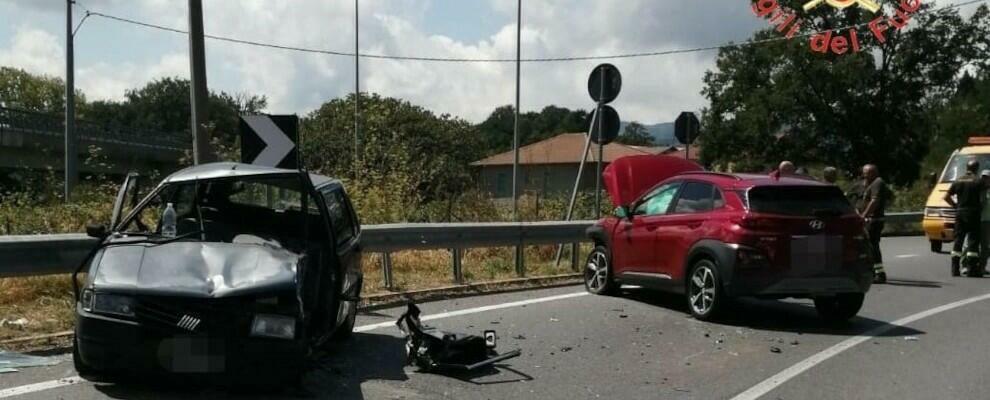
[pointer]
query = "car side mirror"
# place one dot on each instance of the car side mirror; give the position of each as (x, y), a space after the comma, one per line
(98, 231)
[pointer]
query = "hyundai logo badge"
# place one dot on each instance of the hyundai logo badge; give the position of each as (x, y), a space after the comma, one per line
(816, 224)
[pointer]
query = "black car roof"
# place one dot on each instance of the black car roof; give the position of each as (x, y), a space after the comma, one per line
(219, 170)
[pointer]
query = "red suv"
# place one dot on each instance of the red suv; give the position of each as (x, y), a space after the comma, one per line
(714, 236)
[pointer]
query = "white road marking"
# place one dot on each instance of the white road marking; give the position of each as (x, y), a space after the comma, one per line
(40, 386)
(37, 387)
(907, 256)
(782, 377)
(365, 328)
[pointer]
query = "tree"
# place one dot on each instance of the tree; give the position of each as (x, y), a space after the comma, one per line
(780, 100)
(636, 134)
(163, 105)
(25, 91)
(397, 140)
(497, 129)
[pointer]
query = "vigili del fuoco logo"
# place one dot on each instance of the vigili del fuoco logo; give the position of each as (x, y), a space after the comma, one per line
(789, 23)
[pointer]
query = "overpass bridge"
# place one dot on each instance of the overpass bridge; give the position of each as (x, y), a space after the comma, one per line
(37, 141)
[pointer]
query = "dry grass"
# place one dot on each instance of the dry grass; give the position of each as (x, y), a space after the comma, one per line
(45, 302)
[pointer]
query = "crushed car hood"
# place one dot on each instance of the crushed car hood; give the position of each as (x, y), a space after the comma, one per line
(627, 178)
(194, 269)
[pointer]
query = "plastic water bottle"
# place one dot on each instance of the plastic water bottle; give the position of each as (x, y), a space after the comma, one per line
(168, 221)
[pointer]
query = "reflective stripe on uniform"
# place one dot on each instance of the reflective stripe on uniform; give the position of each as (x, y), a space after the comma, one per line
(878, 267)
(956, 253)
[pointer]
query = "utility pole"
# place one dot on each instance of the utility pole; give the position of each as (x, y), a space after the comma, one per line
(520, 263)
(71, 154)
(357, 89)
(198, 94)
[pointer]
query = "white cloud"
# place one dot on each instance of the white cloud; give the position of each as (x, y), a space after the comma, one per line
(656, 88)
(34, 50)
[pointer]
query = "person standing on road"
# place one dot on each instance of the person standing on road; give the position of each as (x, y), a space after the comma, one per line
(830, 175)
(965, 195)
(872, 196)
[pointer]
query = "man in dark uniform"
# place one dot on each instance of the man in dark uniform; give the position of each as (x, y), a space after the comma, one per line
(968, 191)
(872, 197)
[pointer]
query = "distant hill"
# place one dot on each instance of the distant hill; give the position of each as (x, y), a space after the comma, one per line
(663, 133)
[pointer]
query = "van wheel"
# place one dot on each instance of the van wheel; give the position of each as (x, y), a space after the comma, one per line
(936, 246)
(840, 307)
(598, 272)
(705, 296)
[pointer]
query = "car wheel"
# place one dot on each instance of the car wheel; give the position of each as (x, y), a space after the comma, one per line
(704, 290)
(936, 246)
(598, 272)
(346, 330)
(85, 371)
(840, 307)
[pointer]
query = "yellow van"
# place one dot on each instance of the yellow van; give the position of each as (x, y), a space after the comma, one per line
(939, 220)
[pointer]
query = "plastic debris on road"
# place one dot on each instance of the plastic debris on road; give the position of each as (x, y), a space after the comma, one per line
(435, 351)
(10, 361)
(911, 338)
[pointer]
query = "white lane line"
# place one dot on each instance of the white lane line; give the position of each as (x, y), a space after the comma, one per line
(40, 386)
(37, 387)
(782, 377)
(907, 256)
(365, 328)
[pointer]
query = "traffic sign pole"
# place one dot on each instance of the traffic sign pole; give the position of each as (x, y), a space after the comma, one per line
(601, 147)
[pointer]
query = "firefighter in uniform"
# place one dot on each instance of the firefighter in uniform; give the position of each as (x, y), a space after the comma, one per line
(965, 196)
(872, 196)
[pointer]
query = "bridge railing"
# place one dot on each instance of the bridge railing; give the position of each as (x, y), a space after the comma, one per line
(54, 125)
(29, 255)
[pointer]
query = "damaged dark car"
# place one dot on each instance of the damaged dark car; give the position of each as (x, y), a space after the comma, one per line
(224, 270)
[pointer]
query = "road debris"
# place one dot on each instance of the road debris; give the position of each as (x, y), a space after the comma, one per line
(774, 349)
(911, 338)
(19, 323)
(11, 362)
(554, 319)
(435, 351)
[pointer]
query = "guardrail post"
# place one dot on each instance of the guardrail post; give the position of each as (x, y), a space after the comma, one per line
(520, 261)
(455, 254)
(575, 256)
(387, 269)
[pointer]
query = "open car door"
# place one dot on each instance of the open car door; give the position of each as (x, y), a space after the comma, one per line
(128, 197)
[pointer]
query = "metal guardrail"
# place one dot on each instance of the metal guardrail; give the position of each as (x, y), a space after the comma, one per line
(53, 125)
(29, 255)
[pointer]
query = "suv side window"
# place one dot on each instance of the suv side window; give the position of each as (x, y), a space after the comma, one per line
(696, 197)
(658, 201)
(341, 215)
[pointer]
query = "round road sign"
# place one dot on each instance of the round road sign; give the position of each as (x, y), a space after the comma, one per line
(609, 123)
(604, 83)
(687, 127)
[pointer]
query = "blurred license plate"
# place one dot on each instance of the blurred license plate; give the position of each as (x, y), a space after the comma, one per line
(815, 254)
(186, 354)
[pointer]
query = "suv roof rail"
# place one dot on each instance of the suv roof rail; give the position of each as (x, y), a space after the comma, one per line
(736, 177)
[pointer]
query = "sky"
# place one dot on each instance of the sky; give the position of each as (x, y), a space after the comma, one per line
(112, 57)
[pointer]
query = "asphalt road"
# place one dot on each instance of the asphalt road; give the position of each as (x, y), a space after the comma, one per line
(918, 337)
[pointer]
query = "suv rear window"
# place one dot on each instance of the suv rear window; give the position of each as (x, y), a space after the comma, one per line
(798, 200)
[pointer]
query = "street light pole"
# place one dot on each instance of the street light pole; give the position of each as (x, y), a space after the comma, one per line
(71, 152)
(198, 95)
(357, 89)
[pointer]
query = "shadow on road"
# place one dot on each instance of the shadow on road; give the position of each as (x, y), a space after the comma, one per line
(336, 374)
(772, 315)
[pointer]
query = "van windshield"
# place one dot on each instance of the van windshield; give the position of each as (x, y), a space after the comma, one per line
(956, 167)
(799, 200)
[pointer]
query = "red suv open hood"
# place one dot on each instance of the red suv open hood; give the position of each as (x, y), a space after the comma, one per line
(628, 177)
